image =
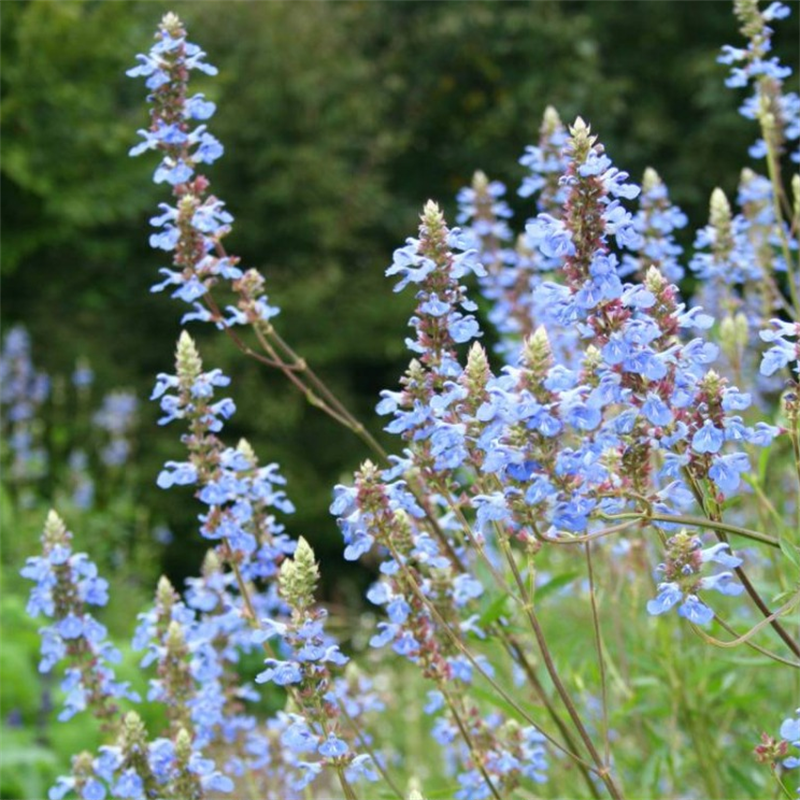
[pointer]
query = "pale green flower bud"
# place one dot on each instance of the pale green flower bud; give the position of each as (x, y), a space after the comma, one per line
(477, 370)
(188, 364)
(650, 180)
(720, 210)
(298, 577)
(55, 532)
(551, 122)
(537, 353)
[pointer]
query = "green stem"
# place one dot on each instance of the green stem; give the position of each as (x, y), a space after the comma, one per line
(773, 168)
(695, 522)
(600, 657)
(603, 770)
(465, 735)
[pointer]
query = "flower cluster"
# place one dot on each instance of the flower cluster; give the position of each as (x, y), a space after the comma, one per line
(193, 229)
(116, 417)
(778, 111)
(430, 603)
(66, 583)
(138, 769)
(682, 580)
(514, 274)
(782, 351)
(238, 493)
(23, 389)
(655, 222)
(304, 669)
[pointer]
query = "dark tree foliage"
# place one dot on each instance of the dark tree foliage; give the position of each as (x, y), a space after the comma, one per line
(339, 121)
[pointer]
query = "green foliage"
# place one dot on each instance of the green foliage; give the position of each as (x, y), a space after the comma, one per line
(337, 125)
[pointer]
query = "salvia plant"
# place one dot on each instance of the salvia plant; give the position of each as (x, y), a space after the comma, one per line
(619, 435)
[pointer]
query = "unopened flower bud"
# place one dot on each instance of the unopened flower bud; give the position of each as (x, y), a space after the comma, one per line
(133, 735)
(537, 353)
(654, 281)
(188, 364)
(166, 596)
(172, 24)
(719, 210)
(243, 446)
(298, 577)
(477, 369)
(650, 180)
(414, 790)
(55, 532)
(480, 182)
(581, 140)
(551, 122)
(211, 564)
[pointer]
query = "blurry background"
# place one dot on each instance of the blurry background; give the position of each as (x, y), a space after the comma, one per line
(339, 120)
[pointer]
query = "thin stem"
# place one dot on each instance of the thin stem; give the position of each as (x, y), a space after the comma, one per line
(695, 522)
(465, 734)
(781, 785)
(752, 645)
(793, 645)
(794, 435)
(600, 657)
(745, 637)
(603, 770)
(464, 650)
(518, 654)
(367, 748)
(512, 645)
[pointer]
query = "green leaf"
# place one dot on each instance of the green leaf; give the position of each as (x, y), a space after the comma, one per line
(495, 610)
(554, 584)
(789, 550)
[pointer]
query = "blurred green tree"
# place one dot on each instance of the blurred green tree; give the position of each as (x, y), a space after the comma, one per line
(339, 121)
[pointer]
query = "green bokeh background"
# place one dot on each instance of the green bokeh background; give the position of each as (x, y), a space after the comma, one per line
(339, 119)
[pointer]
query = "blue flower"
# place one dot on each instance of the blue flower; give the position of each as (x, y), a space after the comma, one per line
(656, 410)
(708, 439)
(281, 673)
(333, 747)
(307, 772)
(695, 611)
(726, 470)
(669, 595)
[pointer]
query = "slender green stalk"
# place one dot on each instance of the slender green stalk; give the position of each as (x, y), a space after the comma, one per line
(603, 769)
(695, 522)
(465, 735)
(773, 168)
(601, 662)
